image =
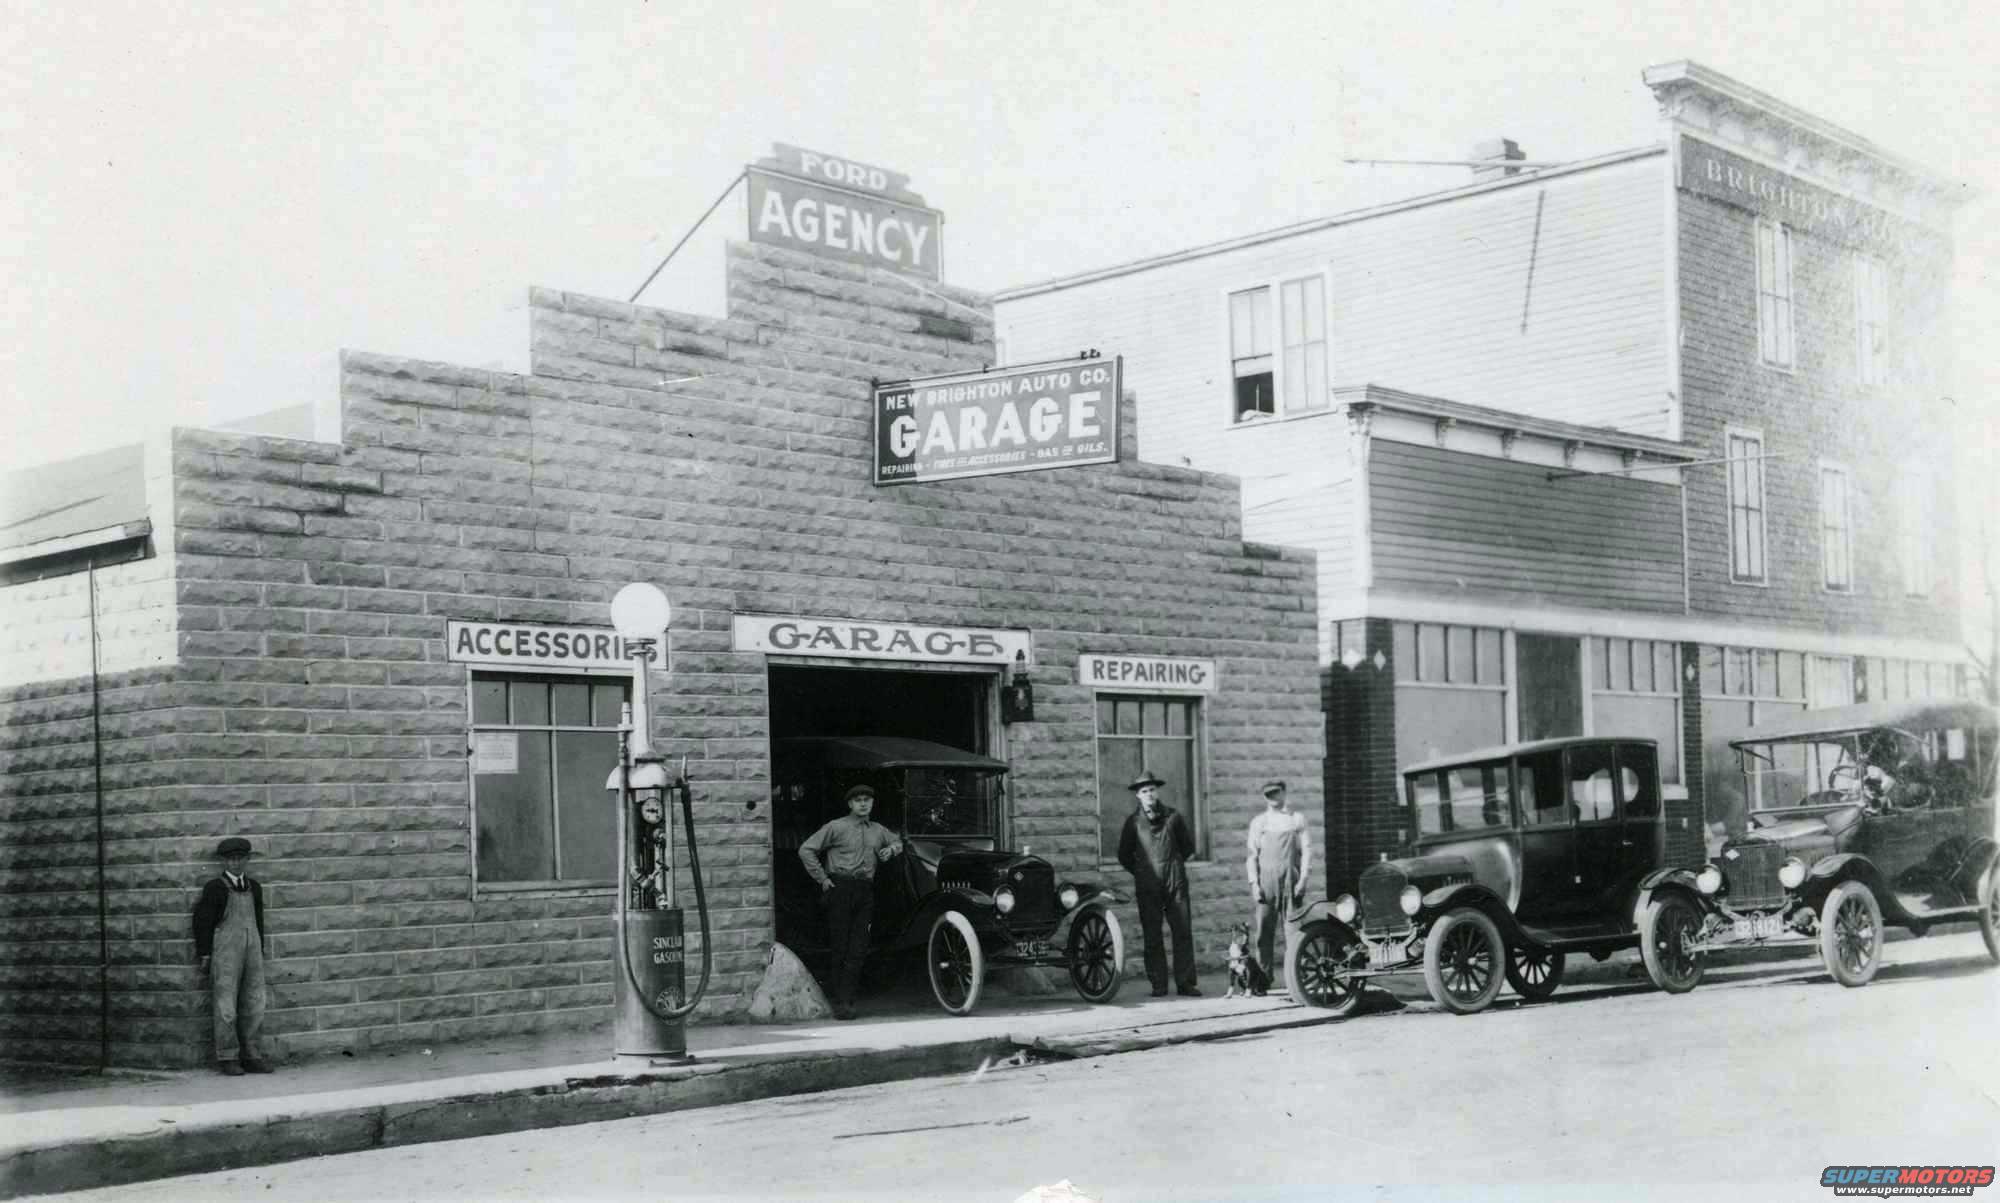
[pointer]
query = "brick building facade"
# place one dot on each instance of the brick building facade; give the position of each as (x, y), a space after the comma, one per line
(1728, 351)
(273, 663)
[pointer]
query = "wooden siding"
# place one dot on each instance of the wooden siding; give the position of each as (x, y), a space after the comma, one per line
(1466, 525)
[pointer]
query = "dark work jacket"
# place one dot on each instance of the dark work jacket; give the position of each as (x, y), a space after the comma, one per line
(209, 908)
(1155, 851)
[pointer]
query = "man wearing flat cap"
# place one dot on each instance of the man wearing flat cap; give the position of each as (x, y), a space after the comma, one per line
(1280, 856)
(1154, 848)
(229, 941)
(841, 856)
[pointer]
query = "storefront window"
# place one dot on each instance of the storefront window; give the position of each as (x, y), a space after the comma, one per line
(542, 747)
(1146, 734)
(1742, 687)
(1635, 691)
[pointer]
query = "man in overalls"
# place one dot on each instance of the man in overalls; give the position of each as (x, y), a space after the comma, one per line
(229, 940)
(1280, 854)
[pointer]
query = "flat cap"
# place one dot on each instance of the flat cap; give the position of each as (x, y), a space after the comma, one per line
(858, 791)
(233, 845)
(1273, 786)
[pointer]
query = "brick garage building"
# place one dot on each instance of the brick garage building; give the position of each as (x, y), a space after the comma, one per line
(269, 658)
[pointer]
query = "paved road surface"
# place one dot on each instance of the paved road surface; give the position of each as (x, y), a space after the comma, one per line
(1605, 1093)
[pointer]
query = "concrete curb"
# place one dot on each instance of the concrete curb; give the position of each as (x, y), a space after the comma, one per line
(235, 1136)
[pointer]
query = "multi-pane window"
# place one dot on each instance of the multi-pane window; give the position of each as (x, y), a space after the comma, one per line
(1137, 734)
(1917, 543)
(1635, 689)
(1836, 529)
(1451, 688)
(1774, 294)
(1742, 687)
(1746, 505)
(1278, 363)
(542, 747)
(1871, 319)
(1890, 680)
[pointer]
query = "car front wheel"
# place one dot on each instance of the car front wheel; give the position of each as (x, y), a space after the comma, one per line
(1666, 927)
(1464, 961)
(1989, 914)
(1096, 955)
(1534, 972)
(957, 966)
(1850, 934)
(1316, 969)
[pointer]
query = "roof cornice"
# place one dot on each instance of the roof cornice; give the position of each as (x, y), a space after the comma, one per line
(1367, 398)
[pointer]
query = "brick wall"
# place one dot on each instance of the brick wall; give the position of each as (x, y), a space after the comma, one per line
(1820, 410)
(312, 707)
(1363, 810)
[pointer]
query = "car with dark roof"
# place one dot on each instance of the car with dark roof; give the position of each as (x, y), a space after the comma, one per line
(956, 895)
(1522, 856)
(1860, 816)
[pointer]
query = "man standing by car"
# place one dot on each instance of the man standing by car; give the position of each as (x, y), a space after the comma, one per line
(1280, 856)
(841, 856)
(1154, 848)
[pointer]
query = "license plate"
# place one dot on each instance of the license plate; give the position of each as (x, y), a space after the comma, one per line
(1035, 948)
(1759, 927)
(1384, 955)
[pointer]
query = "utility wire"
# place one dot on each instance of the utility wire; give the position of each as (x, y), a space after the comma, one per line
(690, 234)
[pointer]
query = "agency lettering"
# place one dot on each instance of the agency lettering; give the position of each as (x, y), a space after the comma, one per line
(797, 213)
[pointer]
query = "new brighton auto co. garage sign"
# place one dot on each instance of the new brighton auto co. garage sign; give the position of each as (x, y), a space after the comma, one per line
(1046, 415)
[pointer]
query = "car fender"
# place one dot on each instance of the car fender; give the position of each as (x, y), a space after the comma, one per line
(1851, 866)
(1663, 881)
(1981, 861)
(1322, 912)
(917, 928)
(1103, 900)
(1469, 894)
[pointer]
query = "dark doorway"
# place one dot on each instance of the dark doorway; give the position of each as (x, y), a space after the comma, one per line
(947, 707)
(1551, 685)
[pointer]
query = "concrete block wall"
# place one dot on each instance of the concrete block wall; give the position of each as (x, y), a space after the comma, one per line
(1819, 410)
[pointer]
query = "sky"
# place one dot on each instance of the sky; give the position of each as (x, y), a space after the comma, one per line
(202, 203)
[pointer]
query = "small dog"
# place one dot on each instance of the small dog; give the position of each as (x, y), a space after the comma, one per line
(1246, 975)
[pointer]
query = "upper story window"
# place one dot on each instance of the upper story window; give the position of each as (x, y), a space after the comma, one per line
(1278, 360)
(1774, 294)
(1746, 505)
(1836, 529)
(1871, 319)
(1917, 543)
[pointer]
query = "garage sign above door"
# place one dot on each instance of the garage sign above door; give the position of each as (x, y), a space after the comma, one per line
(852, 639)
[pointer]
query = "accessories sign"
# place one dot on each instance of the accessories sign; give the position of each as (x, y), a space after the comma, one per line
(1052, 415)
(534, 645)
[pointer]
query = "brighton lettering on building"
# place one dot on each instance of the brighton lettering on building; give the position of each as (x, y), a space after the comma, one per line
(1051, 415)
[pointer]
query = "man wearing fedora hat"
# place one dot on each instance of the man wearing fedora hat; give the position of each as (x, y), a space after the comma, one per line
(1154, 848)
(1280, 857)
(229, 940)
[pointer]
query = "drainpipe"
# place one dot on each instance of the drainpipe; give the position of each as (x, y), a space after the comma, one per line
(103, 921)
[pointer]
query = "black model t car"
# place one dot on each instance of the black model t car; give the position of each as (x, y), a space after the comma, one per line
(1524, 855)
(966, 903)
(1858, 815)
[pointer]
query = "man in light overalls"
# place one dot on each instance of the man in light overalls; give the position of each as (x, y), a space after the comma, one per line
(1280, 856)
(229, 940)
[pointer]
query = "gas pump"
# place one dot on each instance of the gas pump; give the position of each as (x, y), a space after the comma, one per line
(649, 983)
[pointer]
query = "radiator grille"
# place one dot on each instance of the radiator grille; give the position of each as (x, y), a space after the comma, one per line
(1753, 875)
(1381, 913)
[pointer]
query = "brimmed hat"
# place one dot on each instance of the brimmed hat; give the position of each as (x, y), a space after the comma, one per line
(857, 791)
(1145, 779)
(233, 845)
(1273, 786)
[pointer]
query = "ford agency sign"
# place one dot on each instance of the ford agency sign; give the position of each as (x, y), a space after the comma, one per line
(831, 206)
(1052, 415)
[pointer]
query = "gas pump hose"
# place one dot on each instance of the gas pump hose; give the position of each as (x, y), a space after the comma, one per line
(686, 792)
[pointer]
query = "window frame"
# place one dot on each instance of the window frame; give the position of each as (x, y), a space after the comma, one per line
(1273, 287)
(1777, 303)
(1597, 653)
(1194, 808)
(1754, 462)
(557, 887)
(1871, 318)
(1836, 540)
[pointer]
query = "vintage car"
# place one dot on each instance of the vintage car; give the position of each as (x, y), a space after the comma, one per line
(1523, 855)
(1859, 815)
(954, 894)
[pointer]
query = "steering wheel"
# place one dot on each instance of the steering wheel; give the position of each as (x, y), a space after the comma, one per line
(1850, 770)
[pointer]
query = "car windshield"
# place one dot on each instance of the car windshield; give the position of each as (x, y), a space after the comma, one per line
(1904, 767)
(1466, 797)
(950, 802)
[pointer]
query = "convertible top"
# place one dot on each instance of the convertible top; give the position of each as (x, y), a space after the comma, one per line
(1870, 716)
(883, 752)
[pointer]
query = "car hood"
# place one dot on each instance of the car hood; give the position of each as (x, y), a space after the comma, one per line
(980, 869)
(1802, 833)
(1425, 870)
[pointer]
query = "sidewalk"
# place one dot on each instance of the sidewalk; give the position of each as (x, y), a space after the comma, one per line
(69, 1131)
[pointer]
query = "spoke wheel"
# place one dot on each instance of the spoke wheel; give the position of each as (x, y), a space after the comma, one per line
(1534, 972)
(1316, 969)
(1666, 927)
(1850, 934)
(1464, 961)
(1989, 915)
(1096, 955)
(957, 966)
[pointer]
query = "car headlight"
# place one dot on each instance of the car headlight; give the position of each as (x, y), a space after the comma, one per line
(1791, 873)
(1003, 898)
(1344, 908)
(1709, 880)
(1411, 900)
(1069, 897)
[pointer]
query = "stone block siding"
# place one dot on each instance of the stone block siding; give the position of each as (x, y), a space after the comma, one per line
(313, 709)
(1818, 410)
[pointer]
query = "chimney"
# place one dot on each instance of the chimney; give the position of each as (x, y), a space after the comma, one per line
(1497, 151)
